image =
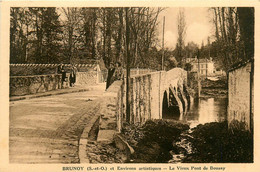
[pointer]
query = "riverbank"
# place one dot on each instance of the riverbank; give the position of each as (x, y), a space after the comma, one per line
(214, 88)
(153, 141)
(215, 143)
(216, 93)
(173, 142)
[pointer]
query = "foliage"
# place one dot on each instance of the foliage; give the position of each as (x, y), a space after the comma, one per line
(35, 35)
(31, 70)
(232, 42)
(153, 141)
(234, 33)
(215, 143)
(181, 35)
(75, 35)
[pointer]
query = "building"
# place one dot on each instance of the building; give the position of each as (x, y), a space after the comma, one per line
(241, 96)
(205, 66)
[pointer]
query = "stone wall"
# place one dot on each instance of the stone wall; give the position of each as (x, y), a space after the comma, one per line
(239, 97)
(112, 110)
(86, 78)
(23, 85)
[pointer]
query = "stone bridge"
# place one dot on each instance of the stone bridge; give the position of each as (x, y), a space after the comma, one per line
(63, 126)
(156, 95)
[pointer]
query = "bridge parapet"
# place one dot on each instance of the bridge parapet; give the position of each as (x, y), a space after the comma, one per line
(147, 92)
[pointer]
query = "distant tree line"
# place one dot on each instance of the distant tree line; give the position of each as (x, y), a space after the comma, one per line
(232, 42)
(76, 35)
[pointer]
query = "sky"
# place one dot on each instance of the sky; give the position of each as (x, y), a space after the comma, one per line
(198, 22)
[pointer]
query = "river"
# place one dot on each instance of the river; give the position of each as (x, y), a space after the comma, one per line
(205, 110)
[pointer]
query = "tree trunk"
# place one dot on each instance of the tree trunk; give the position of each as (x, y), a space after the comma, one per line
(216, 23)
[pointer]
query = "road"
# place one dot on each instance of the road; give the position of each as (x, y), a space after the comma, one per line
(47, 129)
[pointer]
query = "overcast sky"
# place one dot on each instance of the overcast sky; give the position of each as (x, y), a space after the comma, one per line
(198, 22)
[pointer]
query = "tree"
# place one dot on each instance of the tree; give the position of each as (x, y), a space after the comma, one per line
(37, 14)
(34, 35)
(191, 49)
(71, 31)
(107, 21)
(234, 32)
(15, 48)
(40, 35)
(181, 35)
(246, 27)
(143, 23)
(52, 31)
(88, 32)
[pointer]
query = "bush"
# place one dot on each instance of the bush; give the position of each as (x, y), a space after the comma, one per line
(153, 141)
(214, 142)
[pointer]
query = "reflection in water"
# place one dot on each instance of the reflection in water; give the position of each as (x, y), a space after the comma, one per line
(206, 110)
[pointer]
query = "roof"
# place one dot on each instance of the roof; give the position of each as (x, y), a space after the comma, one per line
(50, 65)
(195, 60)
(102, 64)
(240, 64)
(88, 63)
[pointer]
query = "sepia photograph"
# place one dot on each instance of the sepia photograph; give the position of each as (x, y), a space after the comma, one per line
(131, 85)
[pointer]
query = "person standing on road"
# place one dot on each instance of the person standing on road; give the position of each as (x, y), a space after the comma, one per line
(63, 76)
(59, 69)
(73, 72)
(110, 73)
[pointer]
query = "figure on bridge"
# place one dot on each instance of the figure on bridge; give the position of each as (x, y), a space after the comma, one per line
(118, 75)
(114, 73)
(110, 73)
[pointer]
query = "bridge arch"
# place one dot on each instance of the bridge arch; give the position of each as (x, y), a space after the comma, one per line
(173, 102)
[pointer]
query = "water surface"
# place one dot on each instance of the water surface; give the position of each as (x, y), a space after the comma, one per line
(205, 110)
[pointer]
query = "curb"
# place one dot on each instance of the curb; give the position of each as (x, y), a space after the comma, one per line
(85, 138)
(26, 97)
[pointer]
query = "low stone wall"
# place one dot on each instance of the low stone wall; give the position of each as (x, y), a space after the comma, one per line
(24, 85)
(91, 77)
(112, 111)
(86, 78)
(239, 113)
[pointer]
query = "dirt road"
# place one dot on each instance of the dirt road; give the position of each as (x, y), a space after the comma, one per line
(47, 129)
